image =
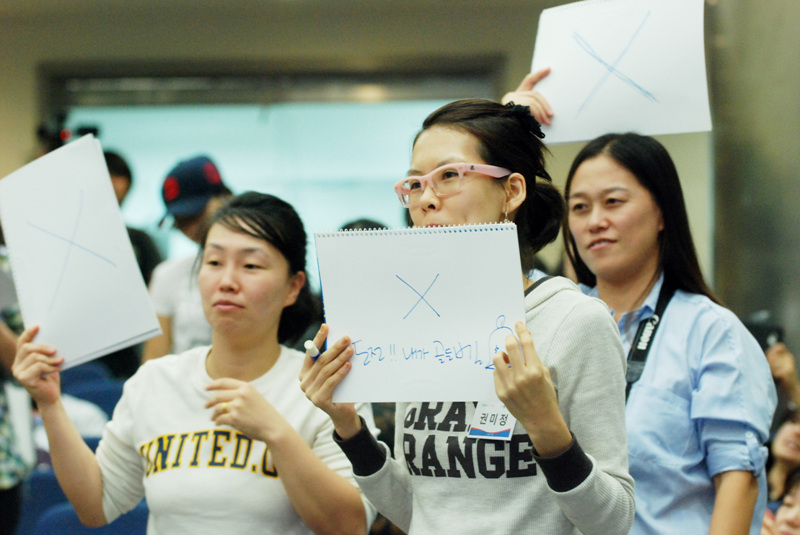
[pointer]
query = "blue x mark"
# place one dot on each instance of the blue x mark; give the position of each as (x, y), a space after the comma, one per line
(611, 68)
(421, 296)
(72, 243)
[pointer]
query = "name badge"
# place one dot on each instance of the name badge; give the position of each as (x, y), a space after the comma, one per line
(492, 421)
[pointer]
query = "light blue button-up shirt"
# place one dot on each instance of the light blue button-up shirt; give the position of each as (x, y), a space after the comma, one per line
(703, 406)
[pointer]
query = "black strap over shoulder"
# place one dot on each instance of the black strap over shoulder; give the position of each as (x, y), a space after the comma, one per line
(538, 283)
(637, 355)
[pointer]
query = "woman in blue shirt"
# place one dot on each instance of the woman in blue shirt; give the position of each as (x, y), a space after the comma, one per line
(699, 414)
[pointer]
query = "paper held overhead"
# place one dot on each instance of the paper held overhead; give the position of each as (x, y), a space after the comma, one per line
(623, 66)
(73, 265)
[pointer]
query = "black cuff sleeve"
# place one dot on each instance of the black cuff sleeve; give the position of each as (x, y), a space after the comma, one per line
(566, 470)
(363, 451)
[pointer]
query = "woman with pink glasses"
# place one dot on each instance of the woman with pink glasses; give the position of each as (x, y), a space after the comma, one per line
(565, 468)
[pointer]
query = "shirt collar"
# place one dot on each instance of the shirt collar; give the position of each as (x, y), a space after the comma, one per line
(628, 323)
(650, 302)
(648, 306)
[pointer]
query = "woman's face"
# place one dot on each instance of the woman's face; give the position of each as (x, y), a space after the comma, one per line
(787, 517)
(244, 282)
(480, 200)
(786, 444)
(614, 220)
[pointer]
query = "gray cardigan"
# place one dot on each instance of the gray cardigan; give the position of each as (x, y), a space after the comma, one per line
(444, 482)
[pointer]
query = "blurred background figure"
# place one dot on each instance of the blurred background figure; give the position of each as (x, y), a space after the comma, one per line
(13, 467)
(147, 254)
(124, 363)
(786, 519)
(363, 224)
(192, 192)
(783, 366)
(784, 449)
(784, 458)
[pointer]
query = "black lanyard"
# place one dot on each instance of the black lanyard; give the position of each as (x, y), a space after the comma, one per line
(643, 340)
(538, 283)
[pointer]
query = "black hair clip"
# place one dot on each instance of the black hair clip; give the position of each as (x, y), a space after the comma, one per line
(523, 113)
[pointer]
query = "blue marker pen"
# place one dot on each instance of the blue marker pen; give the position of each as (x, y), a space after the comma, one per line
(311, 350)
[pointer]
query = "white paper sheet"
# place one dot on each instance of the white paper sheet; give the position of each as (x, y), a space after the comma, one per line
(623, 66)
(426, 309)
(74, 267)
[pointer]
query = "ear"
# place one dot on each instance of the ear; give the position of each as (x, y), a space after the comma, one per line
(516, 191)
(296, 284)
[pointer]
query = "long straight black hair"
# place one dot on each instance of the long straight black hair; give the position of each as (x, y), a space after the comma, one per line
(652, 166)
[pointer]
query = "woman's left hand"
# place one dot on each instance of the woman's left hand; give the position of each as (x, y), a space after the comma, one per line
(239, 405)
(524, 385)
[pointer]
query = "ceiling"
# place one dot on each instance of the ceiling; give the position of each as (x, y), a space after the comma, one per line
(29, 9)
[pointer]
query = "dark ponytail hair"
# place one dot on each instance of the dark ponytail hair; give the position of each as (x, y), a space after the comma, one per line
(651, 164)
(273, 220)
(510, 137)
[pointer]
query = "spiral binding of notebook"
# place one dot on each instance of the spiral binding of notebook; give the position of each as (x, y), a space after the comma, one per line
(419, 231)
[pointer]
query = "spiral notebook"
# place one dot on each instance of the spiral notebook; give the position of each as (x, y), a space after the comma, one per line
(73, 265)
(426, 308)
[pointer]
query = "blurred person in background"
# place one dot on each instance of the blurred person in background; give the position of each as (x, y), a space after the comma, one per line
(192, 191)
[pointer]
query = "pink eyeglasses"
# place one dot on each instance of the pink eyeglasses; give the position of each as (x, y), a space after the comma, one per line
(445, 180)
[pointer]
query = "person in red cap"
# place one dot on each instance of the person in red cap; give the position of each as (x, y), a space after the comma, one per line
(192, 191)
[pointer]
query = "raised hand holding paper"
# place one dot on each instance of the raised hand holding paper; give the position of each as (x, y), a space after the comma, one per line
(75, 270)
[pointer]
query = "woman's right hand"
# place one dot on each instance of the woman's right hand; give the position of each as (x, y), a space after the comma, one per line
(320, 377)
(36, 367)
